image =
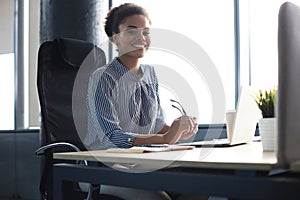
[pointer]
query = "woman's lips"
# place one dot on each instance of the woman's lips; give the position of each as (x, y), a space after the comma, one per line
(139, 46)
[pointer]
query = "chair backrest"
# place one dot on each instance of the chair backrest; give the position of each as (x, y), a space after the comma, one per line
(64, 66)
(288, 84)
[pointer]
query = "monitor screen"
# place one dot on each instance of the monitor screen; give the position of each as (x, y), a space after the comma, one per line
(288, 84)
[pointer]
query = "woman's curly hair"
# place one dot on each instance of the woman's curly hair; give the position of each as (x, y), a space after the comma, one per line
(117, 15)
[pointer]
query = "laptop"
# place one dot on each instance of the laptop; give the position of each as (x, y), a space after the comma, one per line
(244, 124)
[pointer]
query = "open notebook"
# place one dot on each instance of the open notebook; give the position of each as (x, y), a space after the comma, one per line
(244, 125)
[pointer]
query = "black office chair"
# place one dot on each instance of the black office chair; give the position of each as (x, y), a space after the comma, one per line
(64, 66)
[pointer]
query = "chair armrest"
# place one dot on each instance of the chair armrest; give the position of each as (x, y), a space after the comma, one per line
(41, 151)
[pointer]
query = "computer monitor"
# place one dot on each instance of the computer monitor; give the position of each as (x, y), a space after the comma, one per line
(289, 84)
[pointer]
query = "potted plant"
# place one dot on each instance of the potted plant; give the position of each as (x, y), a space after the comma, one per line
(265, 100)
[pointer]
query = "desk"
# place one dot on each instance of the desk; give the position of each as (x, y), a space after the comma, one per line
(240, 171)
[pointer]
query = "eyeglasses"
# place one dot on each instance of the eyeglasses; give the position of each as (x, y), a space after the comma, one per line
(181, 109)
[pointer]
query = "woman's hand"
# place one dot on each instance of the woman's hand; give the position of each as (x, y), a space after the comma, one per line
(192, 131)
(183, 127)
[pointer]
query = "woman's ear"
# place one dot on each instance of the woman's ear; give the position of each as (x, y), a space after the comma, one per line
(114, 38)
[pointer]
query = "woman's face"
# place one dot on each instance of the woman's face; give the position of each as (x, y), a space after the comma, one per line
(134, 37)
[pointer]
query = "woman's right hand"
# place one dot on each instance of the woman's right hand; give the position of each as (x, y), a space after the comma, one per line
(183, 127)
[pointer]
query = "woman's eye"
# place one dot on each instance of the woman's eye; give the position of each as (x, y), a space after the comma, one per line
(132, 32)
(136, 32)
(146, 33)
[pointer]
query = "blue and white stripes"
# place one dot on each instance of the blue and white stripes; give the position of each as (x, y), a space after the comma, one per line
(122, 104)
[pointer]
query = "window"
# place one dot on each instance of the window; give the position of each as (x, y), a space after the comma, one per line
(7, 99)
(263, 23)
(7, 91)
(206, 23)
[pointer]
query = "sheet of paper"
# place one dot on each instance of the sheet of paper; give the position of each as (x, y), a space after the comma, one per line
(148, 149)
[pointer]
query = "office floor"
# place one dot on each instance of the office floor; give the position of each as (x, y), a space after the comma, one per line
(20, 167)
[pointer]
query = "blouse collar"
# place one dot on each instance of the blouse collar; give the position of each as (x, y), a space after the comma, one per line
(122, 70)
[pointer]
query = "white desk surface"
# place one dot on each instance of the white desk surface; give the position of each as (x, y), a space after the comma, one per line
(247, 156)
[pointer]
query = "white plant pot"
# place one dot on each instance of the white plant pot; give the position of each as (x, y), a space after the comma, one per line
(268, 133)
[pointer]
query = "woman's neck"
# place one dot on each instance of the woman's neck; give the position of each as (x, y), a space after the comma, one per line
(130, 63)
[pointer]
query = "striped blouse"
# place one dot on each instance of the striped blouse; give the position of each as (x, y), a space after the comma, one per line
(122, 104)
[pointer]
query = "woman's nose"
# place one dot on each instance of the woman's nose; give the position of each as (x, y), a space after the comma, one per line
(141, 36)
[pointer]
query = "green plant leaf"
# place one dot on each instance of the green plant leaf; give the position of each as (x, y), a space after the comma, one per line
(265, 101)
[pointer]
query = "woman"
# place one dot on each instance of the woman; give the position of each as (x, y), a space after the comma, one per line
(123, 99)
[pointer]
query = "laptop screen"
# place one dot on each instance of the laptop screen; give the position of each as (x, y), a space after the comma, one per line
(247, 116)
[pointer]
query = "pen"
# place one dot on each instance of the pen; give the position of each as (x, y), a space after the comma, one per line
(156, 145)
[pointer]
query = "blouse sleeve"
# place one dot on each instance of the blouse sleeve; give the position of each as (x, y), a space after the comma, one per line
(103, 120)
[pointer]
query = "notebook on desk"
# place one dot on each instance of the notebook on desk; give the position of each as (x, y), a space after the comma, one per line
(244, 124)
